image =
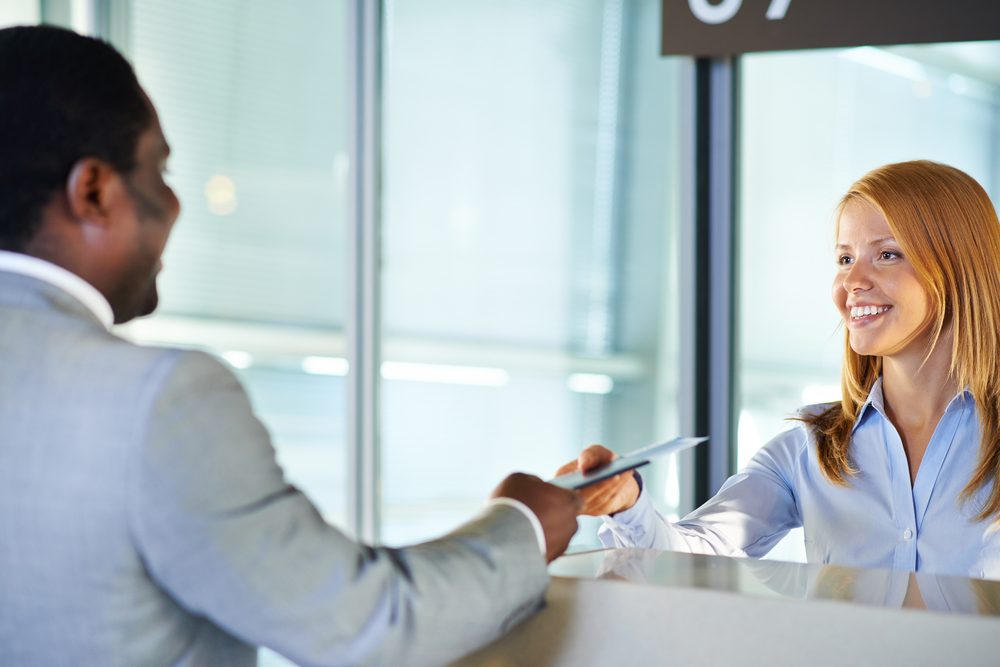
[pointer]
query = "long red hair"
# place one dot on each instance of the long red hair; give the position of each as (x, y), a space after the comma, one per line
(947, 227)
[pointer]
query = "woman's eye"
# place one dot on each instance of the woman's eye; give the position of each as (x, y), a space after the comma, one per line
(888, 255)
(843, 260)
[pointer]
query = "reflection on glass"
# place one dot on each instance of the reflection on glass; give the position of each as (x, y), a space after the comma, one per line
(812, 123)
(529, 247)
(770, 578)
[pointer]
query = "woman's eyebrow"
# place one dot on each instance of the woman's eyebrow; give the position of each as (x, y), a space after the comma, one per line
(844, 246)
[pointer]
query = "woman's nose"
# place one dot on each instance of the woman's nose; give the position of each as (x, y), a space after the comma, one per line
(857, 278)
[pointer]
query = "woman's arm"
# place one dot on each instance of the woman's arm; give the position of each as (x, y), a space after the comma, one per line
(752, 511)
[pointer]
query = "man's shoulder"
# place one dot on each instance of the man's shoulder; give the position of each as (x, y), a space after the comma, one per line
(173, 366)
(112, 345)
(109, 357)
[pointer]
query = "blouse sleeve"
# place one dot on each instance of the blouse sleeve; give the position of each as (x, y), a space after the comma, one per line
(752, 511)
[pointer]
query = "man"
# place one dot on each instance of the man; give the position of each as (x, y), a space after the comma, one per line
(143, 517)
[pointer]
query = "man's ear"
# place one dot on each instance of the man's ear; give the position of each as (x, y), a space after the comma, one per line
(91, 190)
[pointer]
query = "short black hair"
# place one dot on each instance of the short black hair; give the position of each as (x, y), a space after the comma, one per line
(63, 97)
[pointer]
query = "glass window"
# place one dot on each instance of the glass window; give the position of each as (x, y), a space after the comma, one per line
(812, 123)
(529, 247)
(251, 96)
(19, 12)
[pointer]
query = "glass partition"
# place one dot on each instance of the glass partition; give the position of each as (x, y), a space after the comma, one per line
(252, 98)
(19, 12)
(530, 215)
(812, 122)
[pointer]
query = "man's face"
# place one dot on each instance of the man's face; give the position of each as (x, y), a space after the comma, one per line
(149, 216)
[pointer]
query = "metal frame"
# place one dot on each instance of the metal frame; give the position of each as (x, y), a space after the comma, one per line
(364, 275)
(687, 285)
(711, 277)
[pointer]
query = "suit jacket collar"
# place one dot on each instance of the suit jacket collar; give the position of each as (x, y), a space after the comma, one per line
(29, 293)
(59, 279)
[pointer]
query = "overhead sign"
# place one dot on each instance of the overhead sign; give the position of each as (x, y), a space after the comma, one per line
(726, 27)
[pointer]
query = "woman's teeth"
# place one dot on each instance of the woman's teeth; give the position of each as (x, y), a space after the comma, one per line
(862, 311)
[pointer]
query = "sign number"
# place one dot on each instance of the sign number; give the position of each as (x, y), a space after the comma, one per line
(776, 10)
(706, 12)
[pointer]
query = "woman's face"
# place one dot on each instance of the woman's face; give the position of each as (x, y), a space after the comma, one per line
(876, 288)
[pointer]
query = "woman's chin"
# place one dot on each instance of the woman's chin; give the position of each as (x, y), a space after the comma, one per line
(866, 348)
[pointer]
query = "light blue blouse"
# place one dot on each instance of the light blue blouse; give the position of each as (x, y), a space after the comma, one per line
(877, 520)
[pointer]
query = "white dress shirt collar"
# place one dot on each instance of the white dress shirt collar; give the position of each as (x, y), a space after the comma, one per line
(72, 284)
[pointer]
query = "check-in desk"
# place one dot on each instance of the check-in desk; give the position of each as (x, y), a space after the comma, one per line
(632, 607)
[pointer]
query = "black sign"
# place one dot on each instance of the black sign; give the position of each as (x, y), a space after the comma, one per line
(725, 27)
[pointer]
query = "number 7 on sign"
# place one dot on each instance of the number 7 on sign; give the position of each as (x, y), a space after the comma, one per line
(706, 12)
(776, 10)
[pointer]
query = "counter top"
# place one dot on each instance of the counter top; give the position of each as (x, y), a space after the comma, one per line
(777, 579)
(637, 607)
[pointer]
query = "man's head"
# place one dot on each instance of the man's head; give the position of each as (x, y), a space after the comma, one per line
(81, 164)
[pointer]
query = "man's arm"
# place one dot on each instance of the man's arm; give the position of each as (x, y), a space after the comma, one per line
(224, 534)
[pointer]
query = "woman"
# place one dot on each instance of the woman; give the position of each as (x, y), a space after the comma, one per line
(901, 473)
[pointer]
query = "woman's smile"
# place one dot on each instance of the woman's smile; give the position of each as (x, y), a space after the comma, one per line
(863, 315)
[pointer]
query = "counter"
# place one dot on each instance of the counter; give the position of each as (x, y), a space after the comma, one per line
(634, 607)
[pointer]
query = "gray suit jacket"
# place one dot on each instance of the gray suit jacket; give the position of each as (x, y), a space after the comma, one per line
(144, 521)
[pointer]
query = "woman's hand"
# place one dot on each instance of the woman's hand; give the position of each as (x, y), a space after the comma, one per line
(610, 496)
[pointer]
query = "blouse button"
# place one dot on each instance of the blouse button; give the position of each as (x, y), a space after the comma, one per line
(907, 534)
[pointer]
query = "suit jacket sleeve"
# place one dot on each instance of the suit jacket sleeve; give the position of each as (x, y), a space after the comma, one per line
(222, 532)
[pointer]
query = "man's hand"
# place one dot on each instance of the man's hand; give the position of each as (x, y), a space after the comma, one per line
(555, 508)
(610, 496)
